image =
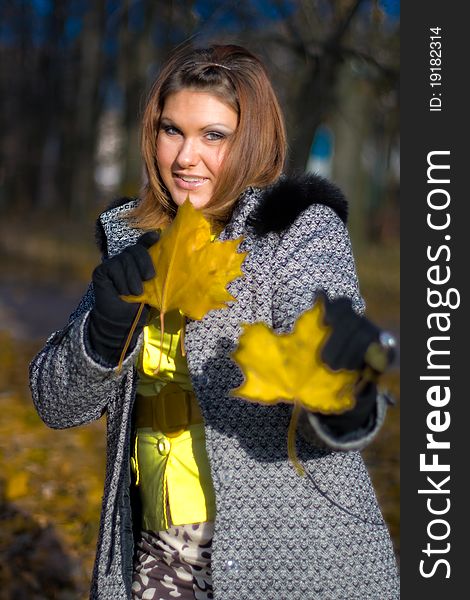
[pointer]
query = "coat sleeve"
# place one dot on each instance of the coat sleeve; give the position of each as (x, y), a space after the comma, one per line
(315, 253)
(69, 385)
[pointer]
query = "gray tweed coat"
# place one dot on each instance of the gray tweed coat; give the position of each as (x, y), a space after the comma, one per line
(277, 535)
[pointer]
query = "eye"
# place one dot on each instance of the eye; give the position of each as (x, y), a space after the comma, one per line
(170, 130)
(214, 136)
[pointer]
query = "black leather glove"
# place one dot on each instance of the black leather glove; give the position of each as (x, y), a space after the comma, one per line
(349, 347)
(111, 318)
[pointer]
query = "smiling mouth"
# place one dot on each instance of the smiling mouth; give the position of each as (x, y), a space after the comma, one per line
(188, 182)
(189, 179)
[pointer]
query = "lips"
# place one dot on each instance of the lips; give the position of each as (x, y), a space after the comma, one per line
(189, 182)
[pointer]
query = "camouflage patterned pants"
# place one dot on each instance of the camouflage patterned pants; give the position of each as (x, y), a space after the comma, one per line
(175, 563)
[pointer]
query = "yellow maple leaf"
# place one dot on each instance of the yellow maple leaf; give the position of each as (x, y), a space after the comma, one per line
(191, 270)
(289, 368)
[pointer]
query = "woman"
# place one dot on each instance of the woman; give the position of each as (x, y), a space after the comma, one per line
(220, 512)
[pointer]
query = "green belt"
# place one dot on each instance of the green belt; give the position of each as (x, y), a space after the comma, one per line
(171, 411)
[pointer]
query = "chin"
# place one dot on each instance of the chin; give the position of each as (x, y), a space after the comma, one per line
(200, 203)
(196, 201)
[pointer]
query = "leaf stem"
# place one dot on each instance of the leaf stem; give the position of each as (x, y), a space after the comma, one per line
(129, 336)
(183, 327)
(162, 329)
(291, 450)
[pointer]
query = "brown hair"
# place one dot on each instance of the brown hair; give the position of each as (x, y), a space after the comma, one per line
(257, 148)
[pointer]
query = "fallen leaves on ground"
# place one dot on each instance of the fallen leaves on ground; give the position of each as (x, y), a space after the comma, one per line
(50, 492)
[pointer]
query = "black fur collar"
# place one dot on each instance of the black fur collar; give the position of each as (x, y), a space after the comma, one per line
(282, 203)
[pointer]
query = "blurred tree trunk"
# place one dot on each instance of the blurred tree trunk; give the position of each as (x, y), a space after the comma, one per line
(87, 109)
(18, 109)
(352, 127)
(52, 68)
(136, 55)
(32, 109)
(317, 82)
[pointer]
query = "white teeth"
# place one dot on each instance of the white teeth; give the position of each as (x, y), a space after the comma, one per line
(191, 179)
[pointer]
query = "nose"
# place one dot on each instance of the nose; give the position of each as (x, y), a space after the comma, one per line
(188, 155)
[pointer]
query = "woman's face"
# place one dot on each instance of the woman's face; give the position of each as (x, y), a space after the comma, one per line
(194, 135)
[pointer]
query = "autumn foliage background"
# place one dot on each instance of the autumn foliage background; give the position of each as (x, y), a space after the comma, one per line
(73, 76)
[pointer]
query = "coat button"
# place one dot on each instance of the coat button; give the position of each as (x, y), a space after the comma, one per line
(163, 446)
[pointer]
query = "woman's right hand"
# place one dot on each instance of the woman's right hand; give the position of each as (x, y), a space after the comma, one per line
(111, 318)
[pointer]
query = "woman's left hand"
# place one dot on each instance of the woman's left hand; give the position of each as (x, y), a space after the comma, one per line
(355, 343)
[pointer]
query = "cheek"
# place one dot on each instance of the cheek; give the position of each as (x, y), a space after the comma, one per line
(217, 158)
(163, 155)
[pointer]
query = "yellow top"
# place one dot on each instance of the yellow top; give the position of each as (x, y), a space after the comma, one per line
(173, 473)
(173, 365)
